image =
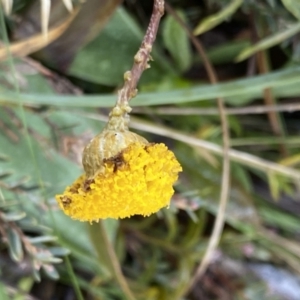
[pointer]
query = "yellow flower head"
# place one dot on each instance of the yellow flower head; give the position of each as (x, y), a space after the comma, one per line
(125, 176)
(137, 181)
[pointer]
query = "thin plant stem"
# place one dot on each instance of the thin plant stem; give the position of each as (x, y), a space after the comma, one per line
(73, 278)
(142, 57)
(225, 184)
(262, 59)
(211, 111)
(244, 158)
(115, 265)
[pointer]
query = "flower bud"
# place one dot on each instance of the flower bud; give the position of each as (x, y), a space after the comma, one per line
(110, 142)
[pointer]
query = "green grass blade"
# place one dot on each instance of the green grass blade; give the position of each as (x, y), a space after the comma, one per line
(214, 20)
(269, 41)
(293, 6)
(282, 82)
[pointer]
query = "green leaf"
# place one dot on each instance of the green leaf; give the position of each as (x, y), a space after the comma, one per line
(99, 244)
(14, 245)
(80, 246)
(105, 59)
(279, 219)
(50, 271)
(13, 216)
(226, 52)
(28, 78)
(269, 41)
(177, 41)
(36, 275)
(274, 185)
(59, 251)
(40, 166)
(42, 239)
(3, 292)
(293, 6)
(216, 19)
(241, 175)
(33, 161)
(47, 257)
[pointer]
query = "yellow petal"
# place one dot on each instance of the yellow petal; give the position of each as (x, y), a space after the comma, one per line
(138, 181)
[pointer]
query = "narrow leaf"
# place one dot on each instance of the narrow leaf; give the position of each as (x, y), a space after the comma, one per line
(216, 19)
(68, 4)
(291, 160)
(42, 239)
(36, 275)
(293, 6)
(177, 42)
(243, 90)
(3, 292)
(268, 42)
(13, 216)
(45, 15)
(59, 251)
(7, 6)
(14, 245)
(46, 257)
(50, 271)
(274, 185)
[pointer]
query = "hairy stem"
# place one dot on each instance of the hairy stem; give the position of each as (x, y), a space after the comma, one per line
(142, 57)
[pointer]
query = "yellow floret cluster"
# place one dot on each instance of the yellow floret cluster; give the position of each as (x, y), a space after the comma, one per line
(138, 181)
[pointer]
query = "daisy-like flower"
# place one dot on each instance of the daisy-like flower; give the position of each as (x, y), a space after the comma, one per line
(125, 175)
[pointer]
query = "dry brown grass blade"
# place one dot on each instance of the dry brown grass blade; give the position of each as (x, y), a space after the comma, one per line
(68, 4)
(7, 6)
(262, 61)
(90, 20)
(45, 16)
(270, 101)
(36, 42)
